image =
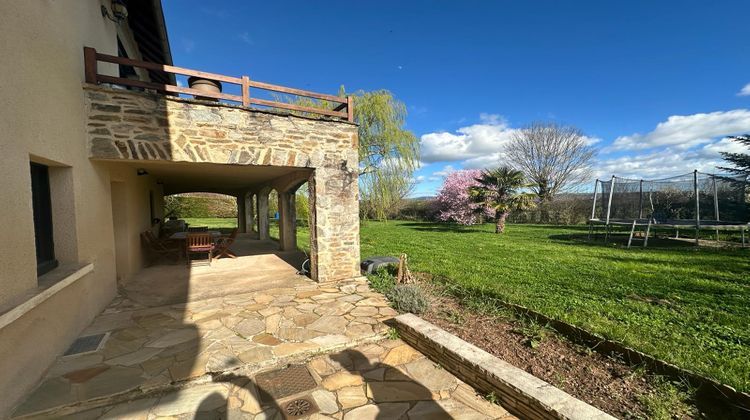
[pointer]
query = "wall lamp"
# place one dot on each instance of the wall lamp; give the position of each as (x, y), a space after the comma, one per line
(141, 172)
(119, 11)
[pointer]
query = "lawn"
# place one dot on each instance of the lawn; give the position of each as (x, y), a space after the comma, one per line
(212, 222)
(687, 306)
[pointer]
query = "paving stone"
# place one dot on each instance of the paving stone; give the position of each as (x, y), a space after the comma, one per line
(321, 367)
(256, 355)
(302, 320)
(351, 396)
(174, 337)
(431, 375)
(131, 410)
(286, 349)
(266, 339)
(445, 409)
(248, 393)
(364, 311)
(397, 391)
(83, 375)
(469, 397)
(341, 379)
(328, 341)
(188, 400)
(135, 357)
(400, 355)
(374, 375)
(326, 401)
(51, 393)
(250, 327)
(329, 324)
(113, 380)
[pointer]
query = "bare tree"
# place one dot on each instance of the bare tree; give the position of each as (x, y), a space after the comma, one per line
(553, 157)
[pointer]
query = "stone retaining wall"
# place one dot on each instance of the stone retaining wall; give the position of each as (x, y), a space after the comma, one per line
(521, 393)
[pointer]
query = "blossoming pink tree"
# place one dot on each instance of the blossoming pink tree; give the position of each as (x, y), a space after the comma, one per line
(454, 202)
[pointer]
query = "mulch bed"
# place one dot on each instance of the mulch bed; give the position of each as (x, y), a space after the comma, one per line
(603, 382)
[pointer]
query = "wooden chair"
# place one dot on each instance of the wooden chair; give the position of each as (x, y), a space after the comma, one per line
(199, 243)
(158, 249)
(223, 244)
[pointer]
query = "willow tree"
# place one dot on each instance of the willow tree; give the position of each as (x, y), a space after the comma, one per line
(388, 152)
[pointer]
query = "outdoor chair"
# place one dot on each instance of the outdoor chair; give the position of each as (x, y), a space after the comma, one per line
(199, 243)
(223, 244)
(158, 249)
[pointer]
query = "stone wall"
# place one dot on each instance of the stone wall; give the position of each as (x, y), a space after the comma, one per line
(521, 393)
(127, 125)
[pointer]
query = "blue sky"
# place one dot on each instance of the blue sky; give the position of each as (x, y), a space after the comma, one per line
(655, 85)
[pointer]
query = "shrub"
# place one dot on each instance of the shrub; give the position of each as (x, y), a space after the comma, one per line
(382, 280)
(408, 298)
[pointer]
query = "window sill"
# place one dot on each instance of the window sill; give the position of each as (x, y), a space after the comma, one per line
(49, 284)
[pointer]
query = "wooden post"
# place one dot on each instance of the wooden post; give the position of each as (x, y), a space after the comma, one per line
(697, 206)
(89, 65)
(245, 91)
(350, 108)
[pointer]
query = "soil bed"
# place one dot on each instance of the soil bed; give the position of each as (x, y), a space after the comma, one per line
(623, 391)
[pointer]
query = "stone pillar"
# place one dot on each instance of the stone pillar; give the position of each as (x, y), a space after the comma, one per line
(334, 229)
(287, 221)
(262, 200)
(249, 212)
(241, 220)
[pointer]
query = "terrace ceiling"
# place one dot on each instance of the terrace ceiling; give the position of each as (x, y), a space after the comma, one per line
(207, 177)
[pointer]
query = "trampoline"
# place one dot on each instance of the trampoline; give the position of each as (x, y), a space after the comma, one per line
(695, 201)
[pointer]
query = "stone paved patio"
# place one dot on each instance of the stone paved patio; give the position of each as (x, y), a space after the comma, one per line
(150, 349)
(381, 380)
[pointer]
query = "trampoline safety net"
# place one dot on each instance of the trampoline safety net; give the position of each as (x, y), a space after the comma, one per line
(721, 199)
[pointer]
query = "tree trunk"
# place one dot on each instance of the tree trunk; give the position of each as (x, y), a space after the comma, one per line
(500, 223)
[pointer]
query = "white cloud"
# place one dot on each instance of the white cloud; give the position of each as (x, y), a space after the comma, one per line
(745, 91)
(682, 132)
(668, 162)
(246, 38)
(475, 141)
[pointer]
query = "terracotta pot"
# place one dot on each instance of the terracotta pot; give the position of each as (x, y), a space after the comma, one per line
(205, 85)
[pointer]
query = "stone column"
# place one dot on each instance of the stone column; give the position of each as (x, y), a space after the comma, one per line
(287, 221)
(249, 212)
(241, 220)
(262, 200)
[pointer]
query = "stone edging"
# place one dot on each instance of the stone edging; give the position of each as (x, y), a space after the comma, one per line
(521, 393)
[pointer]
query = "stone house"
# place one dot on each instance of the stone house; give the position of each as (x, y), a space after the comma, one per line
(95, 131)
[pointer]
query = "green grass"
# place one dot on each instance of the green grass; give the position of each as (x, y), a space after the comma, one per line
(212, 222)
(684, 305)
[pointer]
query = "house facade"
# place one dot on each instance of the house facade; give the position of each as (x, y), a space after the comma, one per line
(94, 131)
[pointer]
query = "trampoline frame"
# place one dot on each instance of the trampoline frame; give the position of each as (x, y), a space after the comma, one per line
(650, 223)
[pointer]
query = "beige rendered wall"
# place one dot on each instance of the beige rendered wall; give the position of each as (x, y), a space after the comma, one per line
(42, 117)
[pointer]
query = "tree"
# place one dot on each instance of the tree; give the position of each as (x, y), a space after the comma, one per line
(454, 201)
(553, 157)
(500, 190)
(388, 152)
(740, 161)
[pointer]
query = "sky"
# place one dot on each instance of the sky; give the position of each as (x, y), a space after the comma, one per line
(656, 86)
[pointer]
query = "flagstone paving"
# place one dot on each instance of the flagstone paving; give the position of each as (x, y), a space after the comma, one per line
(379, 380)
(150, 349)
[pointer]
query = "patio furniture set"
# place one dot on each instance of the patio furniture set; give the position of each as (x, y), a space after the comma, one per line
(193, 241)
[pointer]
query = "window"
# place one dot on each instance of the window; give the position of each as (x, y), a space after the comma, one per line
(42, 206)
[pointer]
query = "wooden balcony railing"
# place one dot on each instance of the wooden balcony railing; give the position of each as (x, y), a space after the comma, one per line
(342, 107)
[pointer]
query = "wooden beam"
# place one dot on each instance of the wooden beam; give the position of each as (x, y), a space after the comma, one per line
(89, 65)
(299, 92)
(167, 68)
(245, 91)
(168, 88)
(350, 108)
(300, 108)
